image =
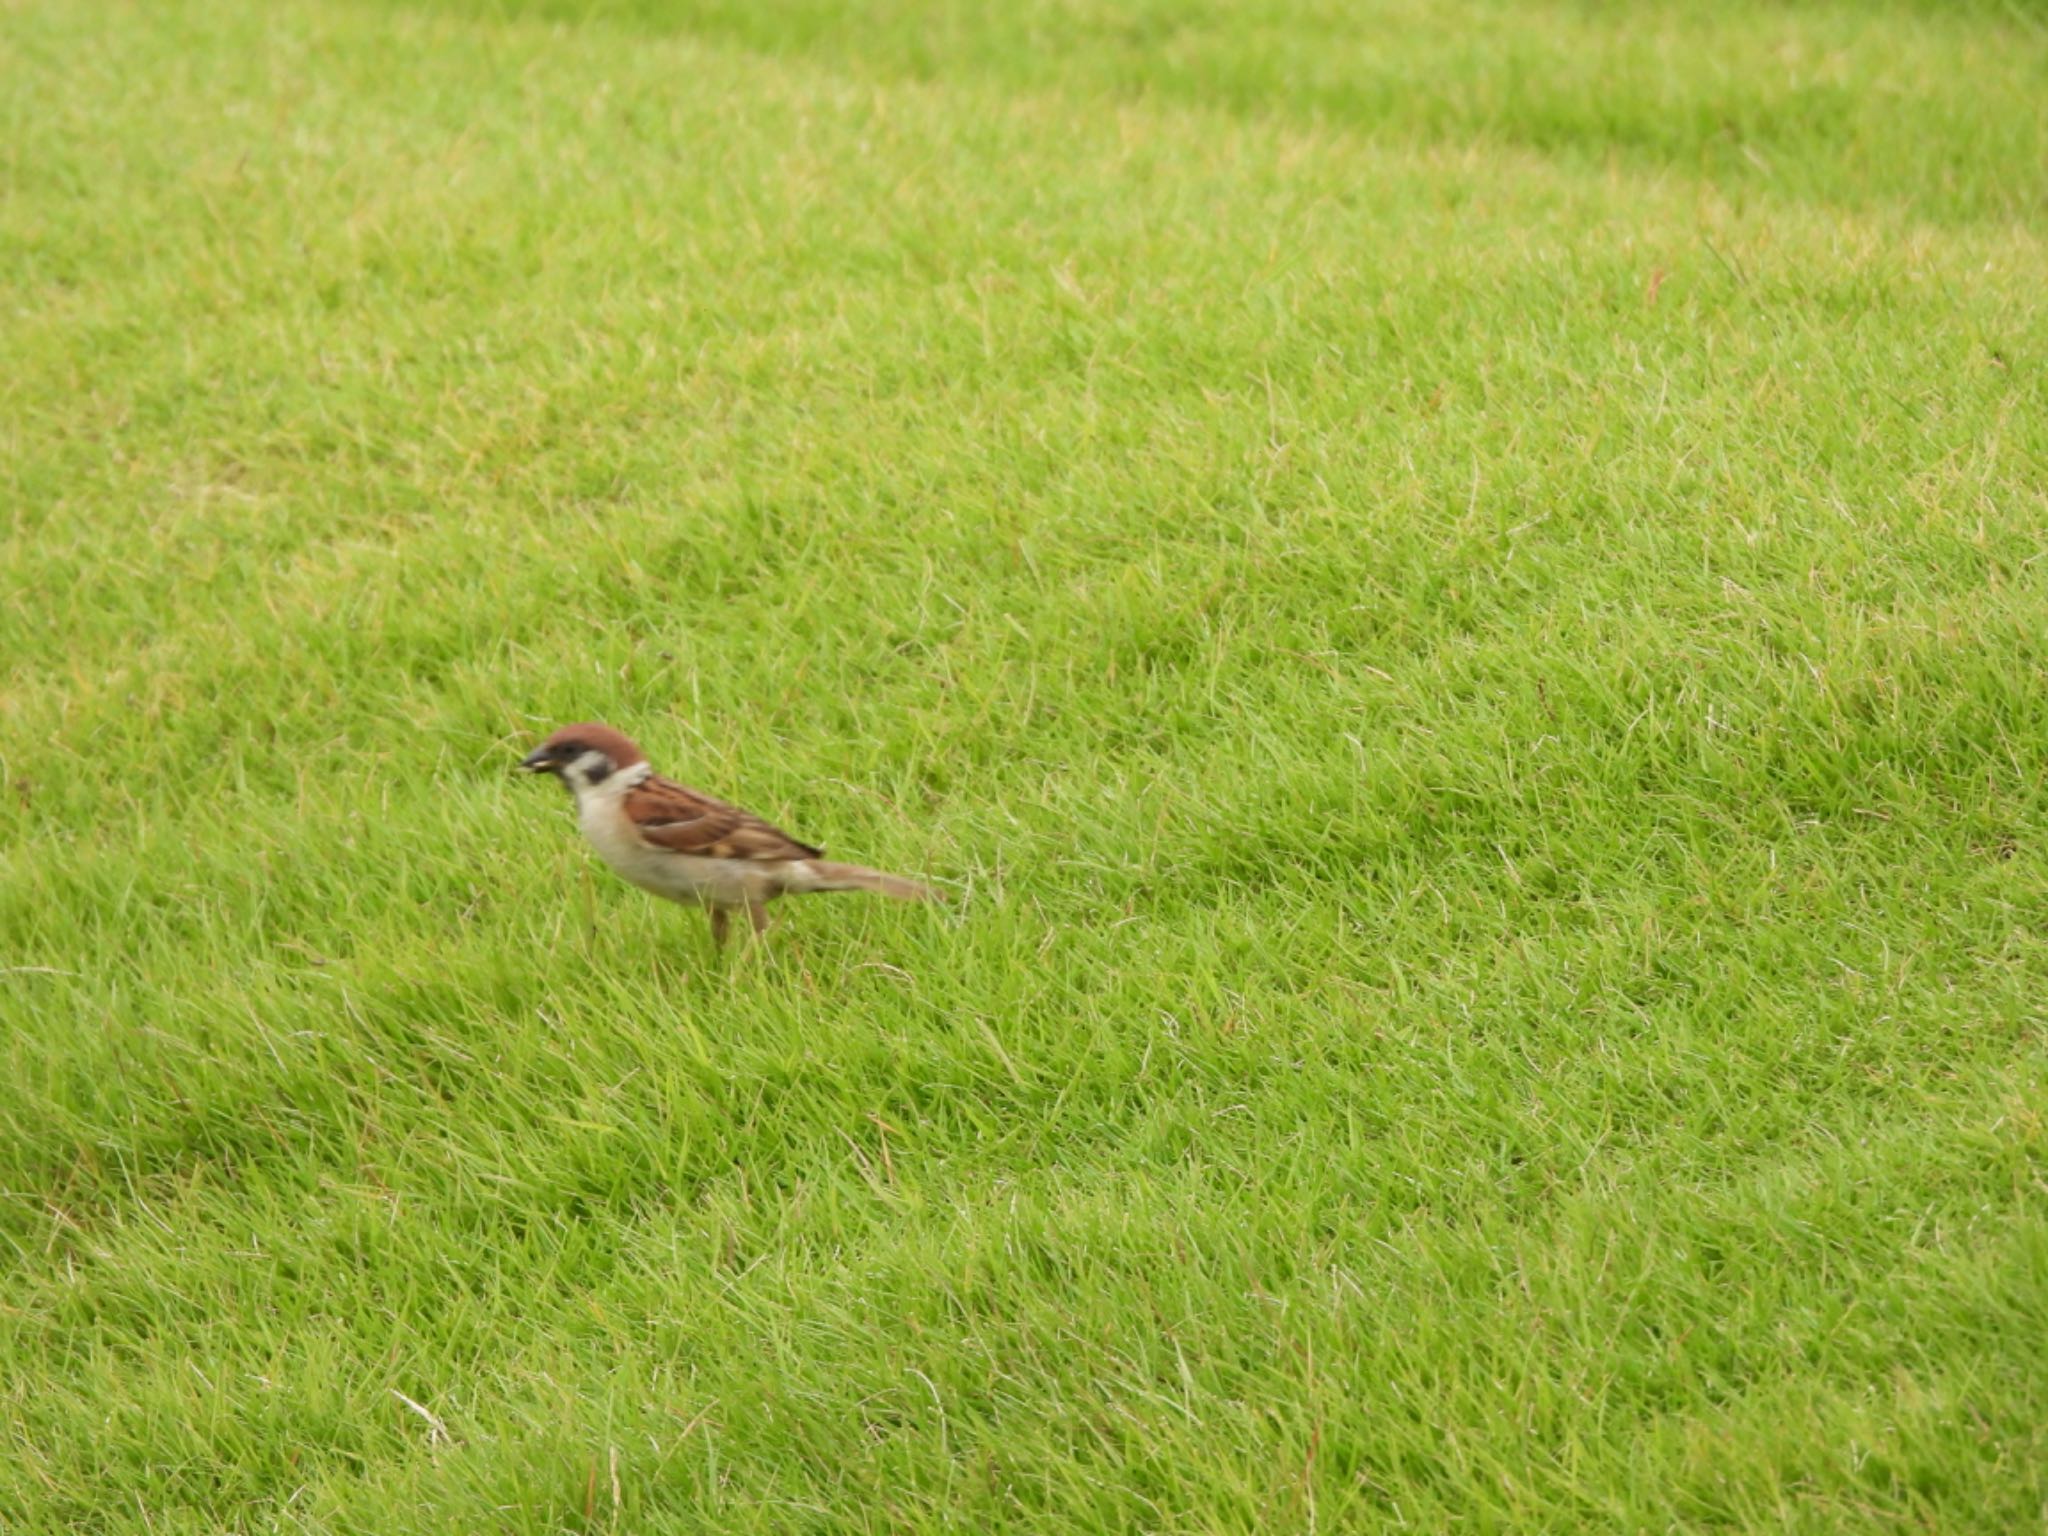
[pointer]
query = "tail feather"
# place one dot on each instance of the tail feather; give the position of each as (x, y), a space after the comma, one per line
(830, 876)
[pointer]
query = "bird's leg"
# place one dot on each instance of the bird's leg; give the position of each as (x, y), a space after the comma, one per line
(719, 918)
(757, 914)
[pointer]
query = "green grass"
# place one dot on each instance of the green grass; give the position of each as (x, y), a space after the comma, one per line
(1459, 588)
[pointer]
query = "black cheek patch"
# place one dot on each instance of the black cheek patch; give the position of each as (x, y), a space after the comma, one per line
(597, 773)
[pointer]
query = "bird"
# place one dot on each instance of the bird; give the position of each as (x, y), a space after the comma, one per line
(680, 843)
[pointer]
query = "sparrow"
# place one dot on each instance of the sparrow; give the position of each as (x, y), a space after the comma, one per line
(685, 845)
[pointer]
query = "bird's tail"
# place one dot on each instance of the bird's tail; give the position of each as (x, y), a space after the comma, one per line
(828, 876)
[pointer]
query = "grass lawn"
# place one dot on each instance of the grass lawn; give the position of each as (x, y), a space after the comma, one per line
(1458, 589)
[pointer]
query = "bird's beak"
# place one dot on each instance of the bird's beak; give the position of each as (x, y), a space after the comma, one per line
(539, 760)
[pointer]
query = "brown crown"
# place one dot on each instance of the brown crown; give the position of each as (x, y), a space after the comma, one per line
(590, 734)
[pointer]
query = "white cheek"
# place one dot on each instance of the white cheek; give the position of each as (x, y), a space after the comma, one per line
(587, 769)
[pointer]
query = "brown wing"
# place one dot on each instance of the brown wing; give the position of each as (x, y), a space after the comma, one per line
(679, 819)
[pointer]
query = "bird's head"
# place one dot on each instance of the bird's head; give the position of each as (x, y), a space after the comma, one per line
(583, 756)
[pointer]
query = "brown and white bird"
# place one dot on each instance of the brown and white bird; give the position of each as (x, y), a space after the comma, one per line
(687, 846)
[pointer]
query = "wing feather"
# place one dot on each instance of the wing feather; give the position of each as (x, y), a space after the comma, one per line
(683, 821)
